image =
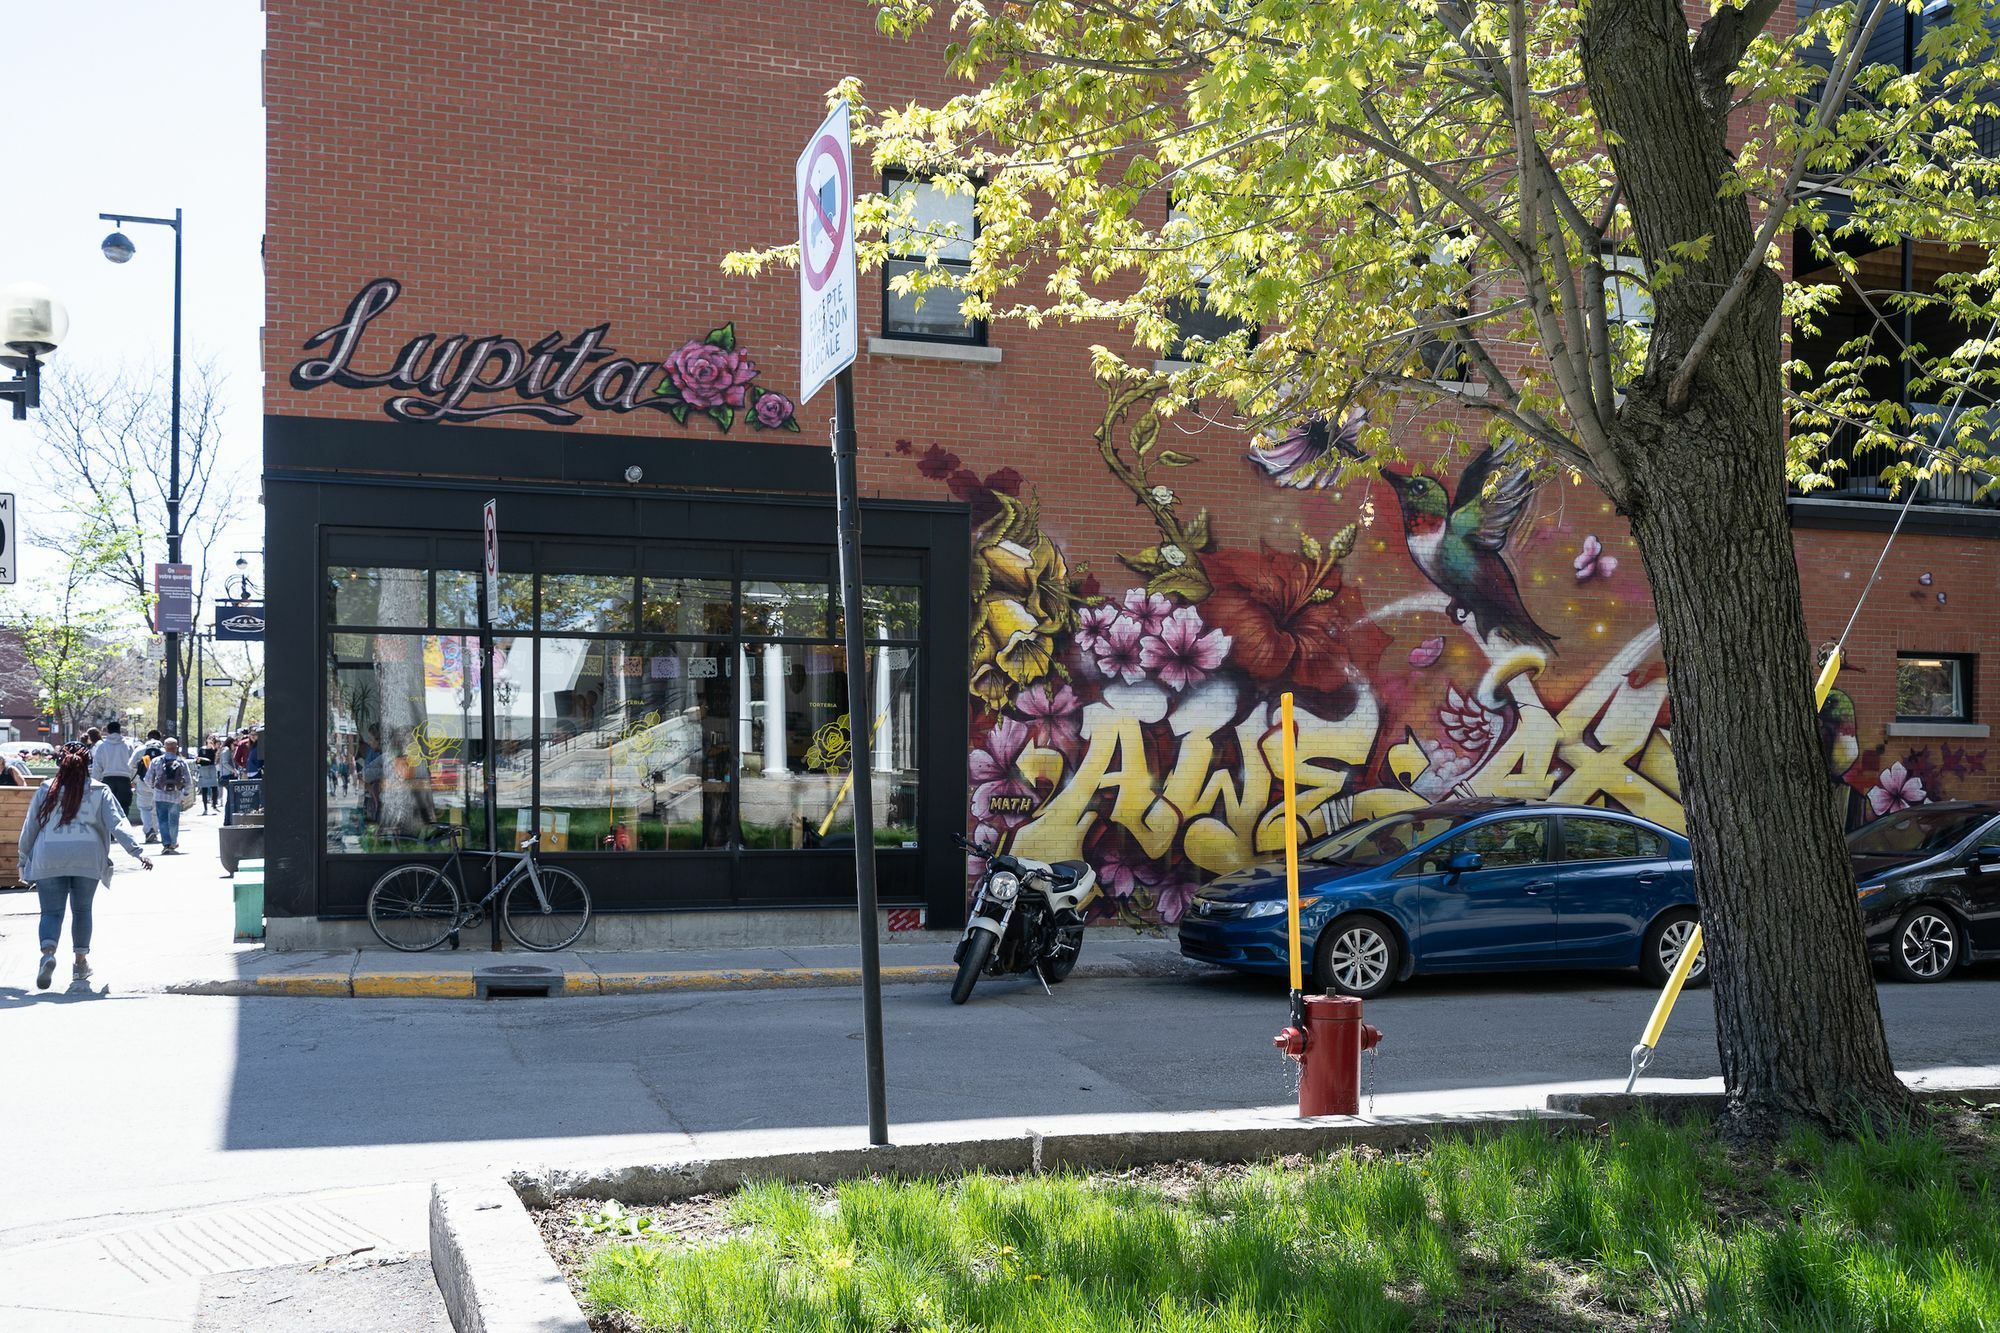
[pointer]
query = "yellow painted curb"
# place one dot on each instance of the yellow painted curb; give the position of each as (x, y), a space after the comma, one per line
(305, 983)
(415, 985)
(770, 978)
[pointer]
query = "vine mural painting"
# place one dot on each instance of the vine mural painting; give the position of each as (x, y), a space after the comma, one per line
(1136, 725)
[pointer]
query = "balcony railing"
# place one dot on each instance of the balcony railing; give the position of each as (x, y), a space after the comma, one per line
(1862, 479)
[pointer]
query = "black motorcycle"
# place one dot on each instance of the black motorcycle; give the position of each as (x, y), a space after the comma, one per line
(1026, 916)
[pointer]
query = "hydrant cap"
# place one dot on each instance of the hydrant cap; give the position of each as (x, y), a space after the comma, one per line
(1332, 1009)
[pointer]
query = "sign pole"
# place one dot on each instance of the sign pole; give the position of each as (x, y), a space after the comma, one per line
(489, 596)
(847, 498)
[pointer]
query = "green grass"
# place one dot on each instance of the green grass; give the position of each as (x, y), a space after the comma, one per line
(1647, 1227)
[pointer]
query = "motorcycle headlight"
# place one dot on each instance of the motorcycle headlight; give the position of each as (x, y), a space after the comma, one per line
(1276, 907)
(1003, 886)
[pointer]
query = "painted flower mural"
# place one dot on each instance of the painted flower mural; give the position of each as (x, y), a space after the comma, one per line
(1896, 789)
(715, 377)
(1022, 600)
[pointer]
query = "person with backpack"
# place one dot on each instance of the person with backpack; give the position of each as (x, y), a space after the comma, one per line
(170, 780)
(66, 854)
(142, 760)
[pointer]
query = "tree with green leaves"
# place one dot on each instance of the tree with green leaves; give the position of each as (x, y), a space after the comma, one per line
(1361, 187)
(69, 632)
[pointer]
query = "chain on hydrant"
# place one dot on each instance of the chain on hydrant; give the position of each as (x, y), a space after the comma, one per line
(1328, 1049)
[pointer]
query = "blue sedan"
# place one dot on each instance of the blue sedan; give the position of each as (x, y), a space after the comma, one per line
(1484, 885)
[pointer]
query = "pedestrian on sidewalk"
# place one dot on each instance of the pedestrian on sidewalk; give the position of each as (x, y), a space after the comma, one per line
(111, 764)
(207, 776)
(141, 761)
(171, 782)
(66, 854)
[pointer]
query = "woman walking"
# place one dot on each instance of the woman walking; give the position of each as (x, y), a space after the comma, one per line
(207, 776)
(66, 854)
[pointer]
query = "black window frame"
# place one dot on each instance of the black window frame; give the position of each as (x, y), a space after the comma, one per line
(1208, 323)
(1967, 664)
(976, 329)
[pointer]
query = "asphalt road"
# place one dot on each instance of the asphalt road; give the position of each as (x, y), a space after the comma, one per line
(123, 1107)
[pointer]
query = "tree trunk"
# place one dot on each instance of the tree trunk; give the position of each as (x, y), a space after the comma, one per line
(1798, 1026)
(1797, 1021)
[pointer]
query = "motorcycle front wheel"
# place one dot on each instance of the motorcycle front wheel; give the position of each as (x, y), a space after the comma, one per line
(977, 950)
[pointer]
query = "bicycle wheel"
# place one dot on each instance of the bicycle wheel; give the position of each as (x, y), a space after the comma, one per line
(557, 926)
(413, 908)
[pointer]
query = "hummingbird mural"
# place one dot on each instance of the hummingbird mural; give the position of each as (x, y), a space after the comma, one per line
(1457, 543)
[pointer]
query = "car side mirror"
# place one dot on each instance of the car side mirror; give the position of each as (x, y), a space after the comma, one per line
(1986, 857)
(1465, 861)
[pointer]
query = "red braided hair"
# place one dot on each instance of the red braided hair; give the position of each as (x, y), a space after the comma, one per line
(72, 780)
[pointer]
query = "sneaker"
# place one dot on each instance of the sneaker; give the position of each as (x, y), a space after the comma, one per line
(81, 972)
(47, 972)
(151, 838)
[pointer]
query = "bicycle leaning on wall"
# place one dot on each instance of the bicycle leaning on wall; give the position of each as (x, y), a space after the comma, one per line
(416, 907)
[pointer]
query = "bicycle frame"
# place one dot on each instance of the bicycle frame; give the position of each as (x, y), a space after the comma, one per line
(524, 863)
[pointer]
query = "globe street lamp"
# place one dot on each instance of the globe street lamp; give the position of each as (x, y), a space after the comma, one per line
(118, 248)
(32, 323)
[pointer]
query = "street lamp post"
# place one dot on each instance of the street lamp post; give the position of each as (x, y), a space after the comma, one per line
(118, 248)
(32, 323)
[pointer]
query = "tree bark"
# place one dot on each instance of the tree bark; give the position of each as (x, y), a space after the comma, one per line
(1798, 1025)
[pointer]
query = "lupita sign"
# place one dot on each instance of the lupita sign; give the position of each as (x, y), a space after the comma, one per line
(465, 377)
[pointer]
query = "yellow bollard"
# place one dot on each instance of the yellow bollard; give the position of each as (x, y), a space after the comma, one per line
(1292, 842)
(1642, 1054)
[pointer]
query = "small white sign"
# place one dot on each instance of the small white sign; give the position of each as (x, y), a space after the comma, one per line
(829, 316)
(701, 668)
(492, 524)
(10, 539)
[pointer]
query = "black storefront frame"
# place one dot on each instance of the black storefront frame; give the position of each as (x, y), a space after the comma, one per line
(568, 488)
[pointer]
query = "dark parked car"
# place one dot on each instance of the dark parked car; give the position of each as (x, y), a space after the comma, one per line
(1463, 886)
(1930, 887)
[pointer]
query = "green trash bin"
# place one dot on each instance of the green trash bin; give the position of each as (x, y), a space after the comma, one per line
(249, 884)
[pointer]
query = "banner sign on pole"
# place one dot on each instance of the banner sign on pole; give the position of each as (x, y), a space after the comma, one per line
(492, 543)
(829, 315)
(240, 622)
(173, 589)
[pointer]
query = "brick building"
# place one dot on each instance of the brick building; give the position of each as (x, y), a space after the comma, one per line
(493, 256)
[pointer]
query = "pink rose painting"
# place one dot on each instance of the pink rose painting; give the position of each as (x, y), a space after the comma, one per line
(772, 411)
(712, 376)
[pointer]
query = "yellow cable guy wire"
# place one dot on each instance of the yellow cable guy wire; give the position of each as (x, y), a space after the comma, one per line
(1291, 838)
(1642, 1054)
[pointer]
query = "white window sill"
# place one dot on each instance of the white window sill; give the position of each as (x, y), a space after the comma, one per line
(1971, 730)
(918, 349)
(1462, 388)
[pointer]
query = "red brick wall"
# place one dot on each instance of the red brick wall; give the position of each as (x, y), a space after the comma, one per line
(526, 168)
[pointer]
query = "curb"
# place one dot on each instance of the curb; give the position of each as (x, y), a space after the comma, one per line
(416, 984)
(1016, 1155)
(1678, 1107)
(492, 1269)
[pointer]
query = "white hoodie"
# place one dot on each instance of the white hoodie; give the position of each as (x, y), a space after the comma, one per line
(112, 757)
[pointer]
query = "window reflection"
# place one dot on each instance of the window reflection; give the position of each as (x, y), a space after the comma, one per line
(893, 612)
(795, 609)
(458, 600)
(796, 737)
(600, 603)
(688, 606)
(634, 745)
(364, 596)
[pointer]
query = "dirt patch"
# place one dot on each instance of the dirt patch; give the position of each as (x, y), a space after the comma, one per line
(571, 1242)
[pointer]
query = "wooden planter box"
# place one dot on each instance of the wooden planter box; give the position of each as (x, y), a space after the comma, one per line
(14, 803)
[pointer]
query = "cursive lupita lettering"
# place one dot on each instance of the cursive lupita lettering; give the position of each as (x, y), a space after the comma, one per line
(455, 379)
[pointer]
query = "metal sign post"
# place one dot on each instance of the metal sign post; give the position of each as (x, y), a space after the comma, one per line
(489, 605)
(829, 339)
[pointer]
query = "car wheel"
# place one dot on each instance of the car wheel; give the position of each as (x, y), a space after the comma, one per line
(1926, 946)
(1665, 939)
(1358, 956)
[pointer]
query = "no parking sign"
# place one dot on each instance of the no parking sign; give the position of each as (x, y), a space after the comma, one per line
(829, 327)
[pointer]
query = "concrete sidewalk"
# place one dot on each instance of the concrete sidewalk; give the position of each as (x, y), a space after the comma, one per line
(169, 930)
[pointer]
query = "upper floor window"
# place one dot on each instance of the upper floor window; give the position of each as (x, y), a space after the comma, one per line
(1626, 297)
(1196, 319)
(944, 220)
(1442, 355)
(1933, 687)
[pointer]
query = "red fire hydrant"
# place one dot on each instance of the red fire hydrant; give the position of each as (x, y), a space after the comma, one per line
(1329, 1054)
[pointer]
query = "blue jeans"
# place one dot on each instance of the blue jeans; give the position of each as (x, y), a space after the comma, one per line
(167, 810)
(77, 891)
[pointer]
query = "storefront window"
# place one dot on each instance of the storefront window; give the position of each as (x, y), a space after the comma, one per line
(365, 596)
(796, 737)
(598, 603)
(458, 600)
(795, 610)
(630, 712)
(404, 746)
(688, 606)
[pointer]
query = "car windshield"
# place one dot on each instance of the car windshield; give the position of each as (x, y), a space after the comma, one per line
(1916, 832)
(1379, 841)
